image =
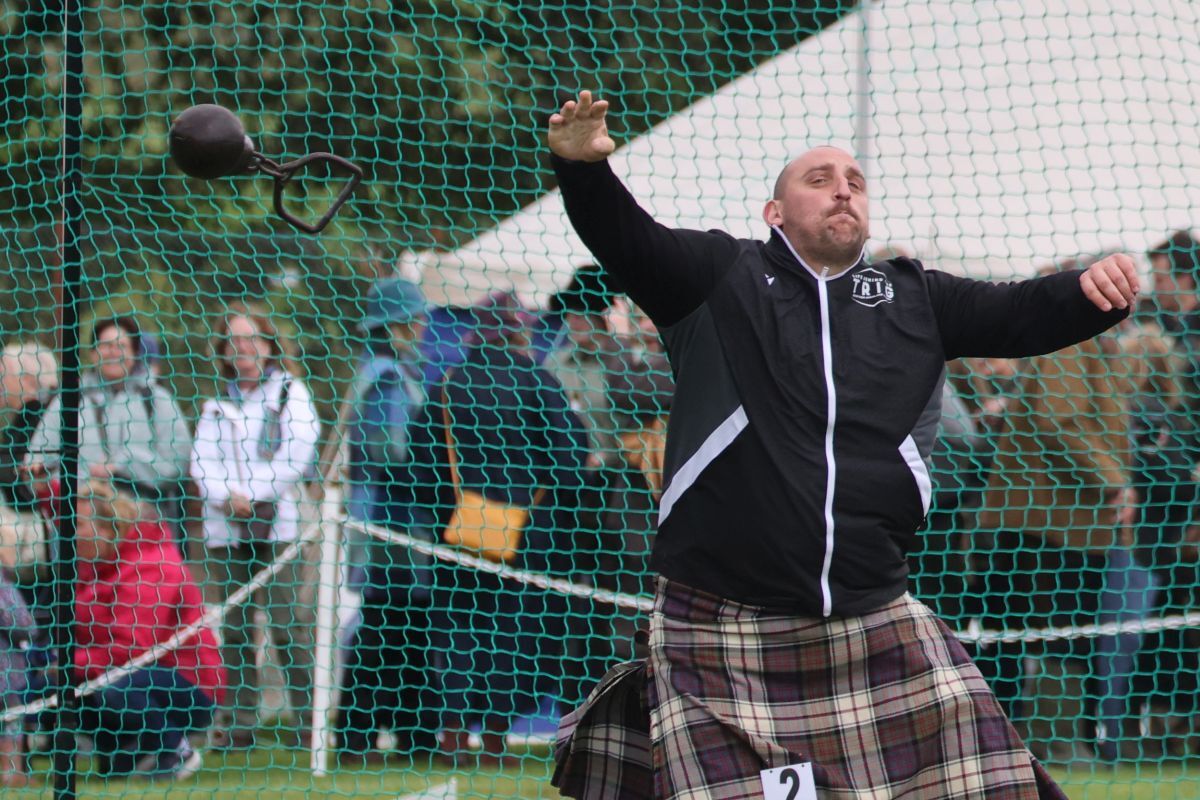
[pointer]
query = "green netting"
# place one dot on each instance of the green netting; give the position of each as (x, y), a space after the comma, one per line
(275, 596)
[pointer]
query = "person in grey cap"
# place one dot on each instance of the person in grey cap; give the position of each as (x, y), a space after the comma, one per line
(616, 518)
(386, 680)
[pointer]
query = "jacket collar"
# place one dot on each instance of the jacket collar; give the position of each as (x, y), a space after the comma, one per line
(136, 381)
(239, 396)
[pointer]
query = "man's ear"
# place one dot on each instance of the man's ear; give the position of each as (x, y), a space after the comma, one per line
(771, 213)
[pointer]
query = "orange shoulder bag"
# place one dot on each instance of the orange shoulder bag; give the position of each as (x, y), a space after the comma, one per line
(490, 527)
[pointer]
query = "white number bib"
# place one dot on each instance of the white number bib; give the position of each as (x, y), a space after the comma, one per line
(793, 782)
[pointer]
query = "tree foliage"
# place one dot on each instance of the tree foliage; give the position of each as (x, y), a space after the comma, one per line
(442, 103)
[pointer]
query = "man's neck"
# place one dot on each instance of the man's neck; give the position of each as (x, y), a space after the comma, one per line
(823, 266)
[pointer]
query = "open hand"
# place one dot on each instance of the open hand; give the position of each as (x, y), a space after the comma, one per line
(578, 131)
(1111, 282)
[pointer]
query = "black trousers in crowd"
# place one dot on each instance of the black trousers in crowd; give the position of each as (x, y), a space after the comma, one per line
(1023, 581)
(387, 683)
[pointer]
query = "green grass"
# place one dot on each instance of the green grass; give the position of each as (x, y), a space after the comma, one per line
(275, 773)
(1148, 781)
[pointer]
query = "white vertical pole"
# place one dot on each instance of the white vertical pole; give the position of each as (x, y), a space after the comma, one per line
(324, 667)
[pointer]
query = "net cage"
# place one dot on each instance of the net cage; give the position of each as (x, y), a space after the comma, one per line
(250, 433)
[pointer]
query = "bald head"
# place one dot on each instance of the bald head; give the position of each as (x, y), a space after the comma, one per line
(820, 204)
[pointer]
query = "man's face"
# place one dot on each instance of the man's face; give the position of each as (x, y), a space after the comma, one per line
(821, 205)
(10, 390)
(115, 355)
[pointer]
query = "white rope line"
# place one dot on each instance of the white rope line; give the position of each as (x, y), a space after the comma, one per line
(210, 618)
(458, 556)
(974, 632)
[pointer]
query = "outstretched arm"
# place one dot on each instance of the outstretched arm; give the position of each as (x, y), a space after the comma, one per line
(1031, 317)
(667, 272)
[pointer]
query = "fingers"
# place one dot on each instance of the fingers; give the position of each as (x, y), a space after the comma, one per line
(1123, 273)
(584, 108)
(578, 130)
(1101, 291)
(35, 471)
(1111, 283)
(591, 108)
(564, 116)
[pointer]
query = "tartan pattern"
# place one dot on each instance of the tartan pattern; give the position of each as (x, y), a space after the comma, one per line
(602, 751)
(886, 705)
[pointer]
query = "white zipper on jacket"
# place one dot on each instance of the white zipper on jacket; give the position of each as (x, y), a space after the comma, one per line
(830, 418)
(823, 278)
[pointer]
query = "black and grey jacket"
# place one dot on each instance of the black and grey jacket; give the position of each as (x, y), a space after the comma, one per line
(806, 403)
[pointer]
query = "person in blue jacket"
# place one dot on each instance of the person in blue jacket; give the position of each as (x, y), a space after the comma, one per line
(386, 681)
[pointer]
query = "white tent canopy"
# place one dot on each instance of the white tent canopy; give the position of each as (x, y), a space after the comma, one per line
(1002, 136)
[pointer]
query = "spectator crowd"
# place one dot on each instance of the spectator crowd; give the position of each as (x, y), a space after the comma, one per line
(1064, 496)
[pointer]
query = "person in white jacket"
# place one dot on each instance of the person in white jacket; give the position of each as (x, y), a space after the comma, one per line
(253, 446)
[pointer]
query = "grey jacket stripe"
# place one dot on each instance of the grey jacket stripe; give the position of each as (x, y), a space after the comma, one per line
(917, 447)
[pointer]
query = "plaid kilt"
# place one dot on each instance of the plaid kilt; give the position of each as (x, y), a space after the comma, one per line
(602, 751)
(886, 705)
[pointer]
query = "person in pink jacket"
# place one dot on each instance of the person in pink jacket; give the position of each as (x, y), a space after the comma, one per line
(134, 592)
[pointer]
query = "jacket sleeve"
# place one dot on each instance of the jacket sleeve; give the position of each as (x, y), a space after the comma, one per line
(16, 622)
(667, 272)
(158, 455)
(384, 417)
(299, 431)
(173, 439)
(1014, 320)
(367, 433)
(425, 470)
(208, 466)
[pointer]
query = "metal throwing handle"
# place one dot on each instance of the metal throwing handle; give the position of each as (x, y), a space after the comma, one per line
(282, 173)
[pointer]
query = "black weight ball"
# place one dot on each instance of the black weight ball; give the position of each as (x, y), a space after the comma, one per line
(208, 141)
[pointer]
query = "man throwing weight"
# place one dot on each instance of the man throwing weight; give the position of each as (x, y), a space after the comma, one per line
(784, 647)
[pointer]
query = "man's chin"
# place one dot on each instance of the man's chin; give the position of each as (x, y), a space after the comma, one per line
(848, 249)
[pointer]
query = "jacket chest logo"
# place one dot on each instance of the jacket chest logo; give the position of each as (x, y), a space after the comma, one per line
(872, 287)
